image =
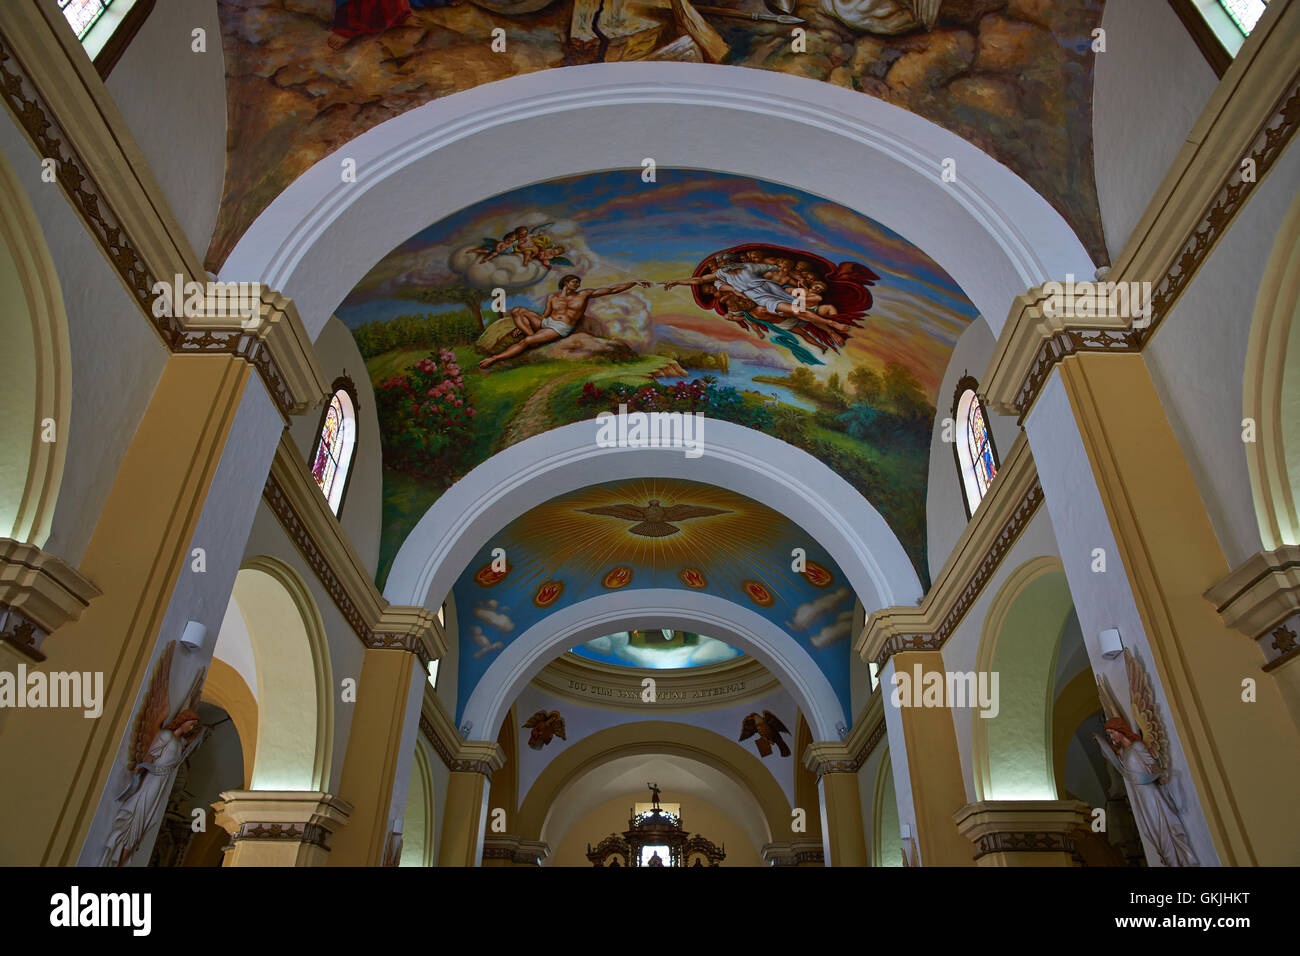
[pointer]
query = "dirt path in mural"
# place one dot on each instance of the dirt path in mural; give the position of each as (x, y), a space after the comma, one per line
(534, 416)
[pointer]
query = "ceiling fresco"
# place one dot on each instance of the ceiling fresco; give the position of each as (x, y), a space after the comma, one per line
(1013, 77)
(587, 543)
(698, 276)
(657, 649)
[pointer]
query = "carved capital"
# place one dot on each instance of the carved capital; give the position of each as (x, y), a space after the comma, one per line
(1260, 598)
(39, 593)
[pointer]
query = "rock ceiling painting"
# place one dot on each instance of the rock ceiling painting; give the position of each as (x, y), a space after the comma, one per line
(304, 77)
(697, 278)
(683, 535)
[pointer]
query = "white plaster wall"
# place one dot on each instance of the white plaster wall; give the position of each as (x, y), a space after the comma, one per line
(362, 508)
(174, 102)
(962, 648)
(441, 780)
(945, 508)
(1149, 88)
(116, 358)
(867, 775)
(1197, 358)
(346, 651)
(581, 722)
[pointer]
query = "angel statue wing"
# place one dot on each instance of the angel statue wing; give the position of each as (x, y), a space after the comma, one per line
(1142, 699)
(153, 712)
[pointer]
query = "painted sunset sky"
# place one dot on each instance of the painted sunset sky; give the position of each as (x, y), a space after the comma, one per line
(616, 228)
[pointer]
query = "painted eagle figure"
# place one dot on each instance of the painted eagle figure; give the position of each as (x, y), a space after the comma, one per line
(545, 727)
(769, 729)
(654, 520)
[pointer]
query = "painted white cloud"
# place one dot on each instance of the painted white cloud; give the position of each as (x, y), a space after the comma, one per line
(487, 613)
(485, 645)
(836, 631)
(806, 614)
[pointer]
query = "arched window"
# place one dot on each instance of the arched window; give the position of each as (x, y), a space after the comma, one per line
(331, 462)
(105, 27)
(977, 460)
(1220, 27)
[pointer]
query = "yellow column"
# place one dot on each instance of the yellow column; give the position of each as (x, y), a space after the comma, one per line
(1023, 832)
(279, 827)
(375, 745)
(932, 763)
(1241, 754)
(137, 551)
(462, 820)
(843, 837)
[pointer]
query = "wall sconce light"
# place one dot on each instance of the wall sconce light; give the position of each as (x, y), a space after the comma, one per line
(1112, 645)
(194, 635)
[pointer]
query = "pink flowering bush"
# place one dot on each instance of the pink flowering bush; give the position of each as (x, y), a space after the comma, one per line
(426, 418)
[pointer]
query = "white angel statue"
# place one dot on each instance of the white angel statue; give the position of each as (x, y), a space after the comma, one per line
(158, 748)
(1140, 757)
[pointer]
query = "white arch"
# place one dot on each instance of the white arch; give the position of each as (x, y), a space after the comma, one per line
(694, 611)
(564, 459)
(989, 229)
(35, 370)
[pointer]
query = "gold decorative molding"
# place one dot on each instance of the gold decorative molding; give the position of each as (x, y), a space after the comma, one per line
(514, 850)
(296, 501)
(1002, 827)
(1011, 503)
(868, 730)
(478, 756)
(1259, 596)
(1248, 122)
(611, 687)
(39, 593)
(438, 727)
(63, 108)
(294, 818)
(806, 852)
(829, 756)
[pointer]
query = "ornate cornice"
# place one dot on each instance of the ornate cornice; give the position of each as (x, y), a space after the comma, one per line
(281, 815)
(302, 511)
(793, 853)
(868, 730)
(438, 728)
(611, 687)
(1243, 130)
(478, 756)
(39, 593)
(310, 833)
(1039, 842)
(829, 756)
(123, 202)
(1012, 500)
(1259, 597)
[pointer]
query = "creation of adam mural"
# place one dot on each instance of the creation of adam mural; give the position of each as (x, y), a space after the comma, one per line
(1013, 77)
(705, 293)
(652, 533)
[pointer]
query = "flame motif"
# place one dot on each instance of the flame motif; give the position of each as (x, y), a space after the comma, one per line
(618, 577)
(693, 578)
(816, 575)
(548, 593)
(759, 594)
(485, 577)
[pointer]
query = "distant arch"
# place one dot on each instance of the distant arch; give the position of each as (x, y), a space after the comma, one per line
(295, 731)
(35, 370)
(1271, 391)
(1012, 753)
(418, 830)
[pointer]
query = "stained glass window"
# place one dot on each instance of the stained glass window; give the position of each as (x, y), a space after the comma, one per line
(1244, 13)
(334, 449)
(83, 14)
(975, 457)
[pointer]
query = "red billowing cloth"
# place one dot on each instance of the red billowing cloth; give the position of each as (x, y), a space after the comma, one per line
(354, 18)
(846, 289)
